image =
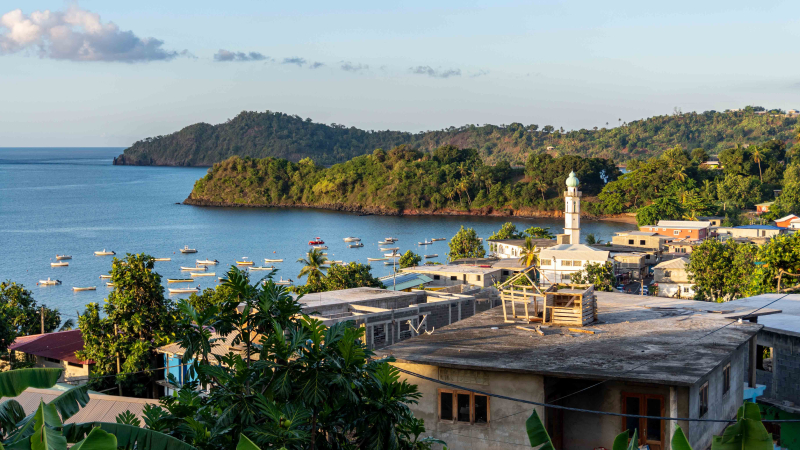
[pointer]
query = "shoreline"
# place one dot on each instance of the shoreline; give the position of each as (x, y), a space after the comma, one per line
(522, 213)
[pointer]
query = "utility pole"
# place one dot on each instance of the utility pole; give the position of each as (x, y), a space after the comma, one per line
(119, 385)
(42, 319)
(394, 270)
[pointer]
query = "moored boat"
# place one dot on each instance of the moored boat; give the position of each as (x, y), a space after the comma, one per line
(425, 243)
(377, 259)
(244, 262)
(316, 241)
(283, 282)
(320, 247)
(356, 245)
(390, 263)
(391, 239)
(186, 249)
(432, 256)
(389, 249)
(49, 282)
(267, 260)
(197, 268)
(162, 259)
(109, 284)
(62, 257)
(438, 239)
(392, 255)
(105, 277)
(105, 252)
(352, 239)
(262, 268)
(183, 290)
(207, 262)
(202, 274)
(59, 264)
(384, 242)
(180, 280)
(88, 288)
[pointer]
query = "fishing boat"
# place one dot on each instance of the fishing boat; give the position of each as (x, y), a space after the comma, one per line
(377, 259)
(283, 282)
(356, 245)
(180, 280)
(49, 282)
(105, 252)
(207, 262)
(316, 241)
(391, 239)
(320, 247)
(162, 259)
(89, 288)
(425, 243)
(62, 257)
(109, 284)
(384, 242)
(391, 255)
(197, 268)
(186, 249)
(438, 239)
(105, 277)
(352, 239)
(202, 274)
(59, 264)
(267, 260)
(432, 256)
(389, 249)
(263, 268)
(183, 290)
(244, 262)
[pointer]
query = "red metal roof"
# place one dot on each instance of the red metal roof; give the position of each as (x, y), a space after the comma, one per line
(61, 345)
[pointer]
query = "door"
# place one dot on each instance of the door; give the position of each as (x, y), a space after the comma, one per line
(650, 431)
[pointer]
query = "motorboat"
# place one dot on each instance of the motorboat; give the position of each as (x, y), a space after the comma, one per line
(392, 255)
(202, 274)
(105, 277)
(59, 264)
(432, 256)
(244, 262)
(49, 282)
(377, 259)
(352, 239)
(262, 268)
(267, 260)
(320, 247)
(316, 241)
(207, 262)
(391, 239)
(105, 252)
(183, 290)
(283, 282)
(109, 284)
(389, 249)
(197, 269)
(89, 288)
(356, 245)
(162, 259)
(438, 239)
(180, 280)
(62, 257)
(186, 249)
(384, 242)
(425, 243)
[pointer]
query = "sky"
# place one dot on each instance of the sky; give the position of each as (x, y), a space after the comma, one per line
(99, 73)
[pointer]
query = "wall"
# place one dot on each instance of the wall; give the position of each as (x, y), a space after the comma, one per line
(506, 427)
(675, 290)
(486, 279)
(783, 383)
(676, 276)
(69, 371)
(632, 240)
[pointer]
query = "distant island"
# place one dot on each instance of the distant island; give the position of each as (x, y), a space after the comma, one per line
(290, 137)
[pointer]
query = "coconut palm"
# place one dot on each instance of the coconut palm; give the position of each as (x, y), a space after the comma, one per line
(680, 174)
(313, 265)
(757, 156)
(529, 256)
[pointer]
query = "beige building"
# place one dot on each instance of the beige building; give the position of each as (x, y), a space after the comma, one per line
(673, 279)
(627, 364)
(512, 248)
(751, 231)
(453, 274)
(640, 239)
(54, 350)
(557, 264)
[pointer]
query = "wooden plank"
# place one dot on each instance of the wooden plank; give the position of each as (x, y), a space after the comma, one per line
(581, 330)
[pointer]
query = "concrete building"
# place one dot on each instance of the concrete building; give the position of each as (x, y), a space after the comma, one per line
(750, 231)
(715, 221)
(672, 279)
(785, 221)
(54, 350)
(558, 263)
(640, 239)
(455, 274)
(762, 208)
(572, 210)
(682, 246)
(692, 229)
(512, 248)
(630, 266)
(629, 362)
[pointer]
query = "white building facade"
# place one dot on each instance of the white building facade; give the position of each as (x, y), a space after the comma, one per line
(572, 210)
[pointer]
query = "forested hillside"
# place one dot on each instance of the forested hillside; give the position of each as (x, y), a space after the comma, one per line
(278, 135)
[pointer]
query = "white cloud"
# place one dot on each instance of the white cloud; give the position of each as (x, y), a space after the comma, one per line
(77, 35)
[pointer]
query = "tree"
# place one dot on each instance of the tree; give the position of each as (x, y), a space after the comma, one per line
(313, 266)
(465, 244)
(739, 191)
(137, 320)
(721, 271)
(409, 259)
(539, 233)
(343, 276)
(666, 208)
(789, 200)
(507, 231)
(757, 155)
(591, 240)
(777, 257)
(296, 384)
(529, 255)
(600, 275)
(699, 155)
(21, 316)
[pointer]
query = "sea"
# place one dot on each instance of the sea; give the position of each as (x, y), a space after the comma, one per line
(74, 201)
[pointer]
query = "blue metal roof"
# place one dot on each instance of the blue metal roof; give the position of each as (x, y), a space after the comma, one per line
(759, 227)
(404, 281)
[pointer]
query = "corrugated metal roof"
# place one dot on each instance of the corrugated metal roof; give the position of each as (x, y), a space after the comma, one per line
(693, 224)
(405, 281)
(222, 346)
(101, 408)
(678, 263)
(758, 227)
(574, 251)
(60, 345)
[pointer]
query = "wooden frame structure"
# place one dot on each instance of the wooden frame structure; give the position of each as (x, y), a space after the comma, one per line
(522, 294)
(573, 304)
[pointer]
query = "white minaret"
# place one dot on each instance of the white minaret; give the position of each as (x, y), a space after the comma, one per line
(572, 210)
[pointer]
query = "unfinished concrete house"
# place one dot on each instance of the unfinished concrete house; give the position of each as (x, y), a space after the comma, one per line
(643, 356)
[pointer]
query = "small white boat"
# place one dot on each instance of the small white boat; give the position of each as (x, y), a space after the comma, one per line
(377, 259)
(162, 259)
(105, 252)
(62, 257)
(384, 242)
(389, 249)
(356, 245)
(352, 239)
(283, 282)
(438, 239)
(49, 282)
(320, 247)
(425, 243)
(202, 274)
(392, 255)
(207, 262)
(183, 290)
(109, 284)
(105, 277)
(390, 263)
(59, 264)
(267, 260)
(89, 288)
(432, 256)
(262, 268)
(197, 269)
(180, 280)
(391, 239)
(186, 249)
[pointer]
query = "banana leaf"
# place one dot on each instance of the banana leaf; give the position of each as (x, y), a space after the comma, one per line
(14, 382)
(537, 434)
(71, 401)
(621, 442)
(11, 412)
(747, 433)
(45, 434)
(246, 444)
(97, 440)
(679, 441)
(128, 436)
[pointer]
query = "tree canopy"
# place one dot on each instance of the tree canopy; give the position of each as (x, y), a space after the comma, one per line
(465, 244)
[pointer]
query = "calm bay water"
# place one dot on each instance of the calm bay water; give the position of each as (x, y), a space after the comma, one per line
(73, 201)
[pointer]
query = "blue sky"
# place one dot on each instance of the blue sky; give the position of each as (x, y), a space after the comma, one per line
(410, 66)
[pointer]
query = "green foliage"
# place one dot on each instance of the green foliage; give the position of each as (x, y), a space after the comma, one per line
(679, 440)
(747, 433)
(781, 253)
(626, 441)
(21, 316)
(537, 434)
(739, 191)
(14, 382)
(529, 255)
(344, 276)
(144, 319)
(409, 259)
(600, 275)
(507, 231)
(539, 233)
(721, 271)
(313, 266)
(788, 202)
(465, 244)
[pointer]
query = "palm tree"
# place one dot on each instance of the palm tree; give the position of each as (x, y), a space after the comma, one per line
(758, 155)
(313, 265)
(529, 256)
(680, 174)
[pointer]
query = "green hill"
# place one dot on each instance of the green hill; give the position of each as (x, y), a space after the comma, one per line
(279, 135)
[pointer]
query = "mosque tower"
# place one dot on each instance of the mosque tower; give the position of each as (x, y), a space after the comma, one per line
(572, 211)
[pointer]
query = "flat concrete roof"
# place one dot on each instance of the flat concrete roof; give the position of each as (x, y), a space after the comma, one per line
(451, 268)
(667, 335)
(354, 295)
(539, 242)
(787, 321)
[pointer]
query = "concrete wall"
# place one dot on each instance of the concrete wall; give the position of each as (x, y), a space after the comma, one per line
(497, 434)
(675, 290)
(632, 240)
(70, 371)
(783, 383)
(676, 276)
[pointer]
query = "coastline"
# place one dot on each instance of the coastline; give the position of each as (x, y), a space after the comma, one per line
(522, 213)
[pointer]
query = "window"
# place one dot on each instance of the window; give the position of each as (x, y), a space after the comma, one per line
(630, 241)
(436, 277)
(463, 406)
(74, 364)
(566, 277)
(685, 289)
(577, 263)
(642, 242)
(566, 263)
(703, 399)
(650, 431)
(505, 273)
(667, 273)
(647, 257)
(544, 262)
(477, 278)
(52, 360)
(764, 359)
(726, 379)
(453, 278)
(676, 232)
